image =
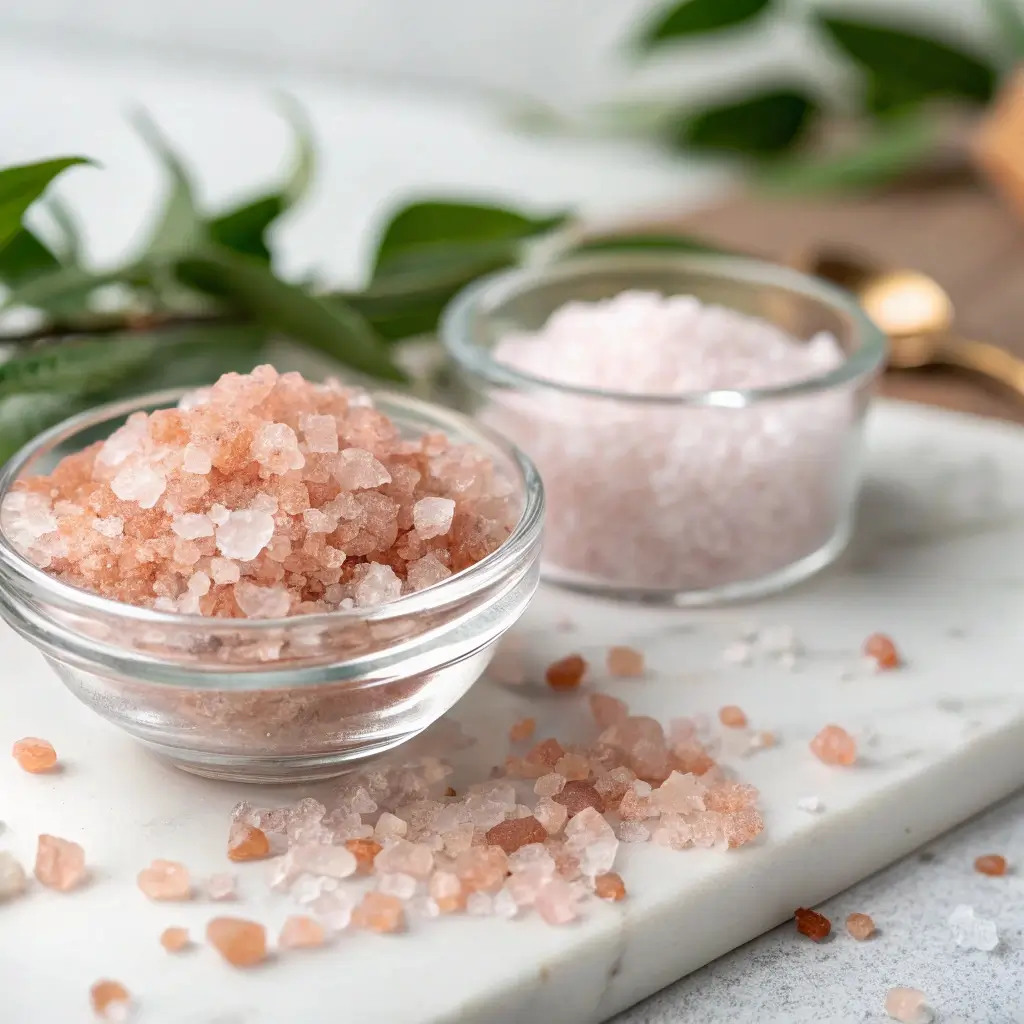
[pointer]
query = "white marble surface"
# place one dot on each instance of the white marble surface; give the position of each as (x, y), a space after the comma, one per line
(935, 565)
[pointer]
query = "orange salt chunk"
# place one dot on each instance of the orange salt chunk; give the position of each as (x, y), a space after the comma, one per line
(165, 880)
(732, 717)
(522, 730)
(34, 755)
(300, 932)
(610, 887)
(242, 943)
(109, 999)
(246, 842)
(883, 650)
(379, 912)
(566, 674)
(516, 832)
(860, 926)
(446, 890)
(625, 662)
(548, 752)
(834, 745)
(174, 940)
(991, 864)
(364, 851)
(812, 924)
(60, 863)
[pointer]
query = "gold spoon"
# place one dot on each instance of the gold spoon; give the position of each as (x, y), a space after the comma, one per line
(917, 315)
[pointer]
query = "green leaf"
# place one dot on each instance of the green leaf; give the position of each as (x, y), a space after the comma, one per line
(24, 417)
(695, 17)
(333, 328)
(915, 64)
(21, 186)
(70, 250)
(759, 125)
(243, 228)
(895, 149)
(633, 243)
(1009, 23)
(25, 257)
(179, 228)
(453, 234)
(75, 368)
(64, 286)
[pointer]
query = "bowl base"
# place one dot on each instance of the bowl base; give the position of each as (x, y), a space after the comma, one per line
(275, 770)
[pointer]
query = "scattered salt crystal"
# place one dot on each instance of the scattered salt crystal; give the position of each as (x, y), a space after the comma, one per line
(221, 887)
(556, 902)
(908, 1006)
(357, 469)
(403, 857)
(60, 863)
(242, 943)
(334, 908)
(379, 913)
(34, 755)
(625, 662)
(139, 483)
(191, 526)
(165, 880)
(972, 932)
(309, 888)
(380, 584)
(549, 785)
(432, 517)
(111, 526)
(262, 602)
(110, 1000)
(591, 839)
(633, 832)
(196, 460)
(810, 804)
(301, 932)
(12, 877)
(244, 534)
(835, 746)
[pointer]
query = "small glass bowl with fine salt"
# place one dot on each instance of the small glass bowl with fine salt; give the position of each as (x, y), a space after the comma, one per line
(697, 420)
(277, 699)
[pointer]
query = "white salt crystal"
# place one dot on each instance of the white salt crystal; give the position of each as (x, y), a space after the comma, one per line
(388, 826)
(321, 434)
(399, 885)
(244, 534)
(199, 584)
(196, 460)
(738, 653)
(194, 399)
(12, 877)
(111, 526)
(380, 584)
(505, 904)
(810, 804)
(192, 526)
(218, 514)
(276, 448)
(334, 908)
(223, 570)
(972, 932)
(262, 602)
(263, 503)
(316, 521)
(165, 604)
(426, 572)
(188, 603)
(592, 840)
(221, 887)
(480, 904)
(357, 469)
(432, 517)
(139, 483)
(125, 441)
(319, 859)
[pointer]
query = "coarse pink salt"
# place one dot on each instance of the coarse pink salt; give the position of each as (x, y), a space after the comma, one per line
(262, 497)
(655, 495)
(908, 1005)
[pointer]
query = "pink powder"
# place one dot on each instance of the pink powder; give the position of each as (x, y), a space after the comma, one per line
(664, 496)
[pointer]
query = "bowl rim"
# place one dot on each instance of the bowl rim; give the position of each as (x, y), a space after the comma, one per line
(455, 588)
(484, 294)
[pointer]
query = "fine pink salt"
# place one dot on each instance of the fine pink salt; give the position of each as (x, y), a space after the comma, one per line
(261, 497)
(652, 495)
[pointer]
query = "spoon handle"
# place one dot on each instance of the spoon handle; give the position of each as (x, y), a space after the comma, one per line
(982, 358)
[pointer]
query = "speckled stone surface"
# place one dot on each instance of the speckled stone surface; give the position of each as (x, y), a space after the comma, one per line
(784, 977)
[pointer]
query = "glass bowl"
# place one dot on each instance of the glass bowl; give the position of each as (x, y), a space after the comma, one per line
(690, 498)
(276, 700)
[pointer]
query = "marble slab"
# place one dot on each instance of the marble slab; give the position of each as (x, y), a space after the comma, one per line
(938, 563)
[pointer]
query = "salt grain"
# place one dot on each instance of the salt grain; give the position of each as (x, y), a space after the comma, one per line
(810, 804)
(12, 877)
(972, 932)
(908, 1005)
(432, 517)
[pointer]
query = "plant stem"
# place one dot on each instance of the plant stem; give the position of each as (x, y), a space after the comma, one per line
(118, 323)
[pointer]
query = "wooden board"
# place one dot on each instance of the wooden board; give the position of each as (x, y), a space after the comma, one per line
(960, 234)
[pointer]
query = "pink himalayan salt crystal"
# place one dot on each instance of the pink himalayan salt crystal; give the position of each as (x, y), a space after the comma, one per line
(642, 740)
(549, 785)
(174, 939)
(447, 892)
(482, 868)
(590, 839)
(321, 859)
(34, 755)
(552, 816)
(752, 483)
(110, 1000)
(301, 932)
(834, 745)
(221, 887)
(612, 786)
(403, 857)
(60, 863)
(633, 832)
(515, 832)
(12, 877)
(379, 585)
(400, 886)
(679, 794)
(556, 902)
(262, 602)
(574, 767)
(356, 469)
(220, 461)
(908, 1005)
(242, 943)
(389, 826)
(625, 662)
(165, 880)
(334, 907)
(247, 842)
(432, 517)
(379, 913)
(607, 711)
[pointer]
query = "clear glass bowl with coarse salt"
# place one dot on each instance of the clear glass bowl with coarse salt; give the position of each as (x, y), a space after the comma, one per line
(696, 419)
(276, 699)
